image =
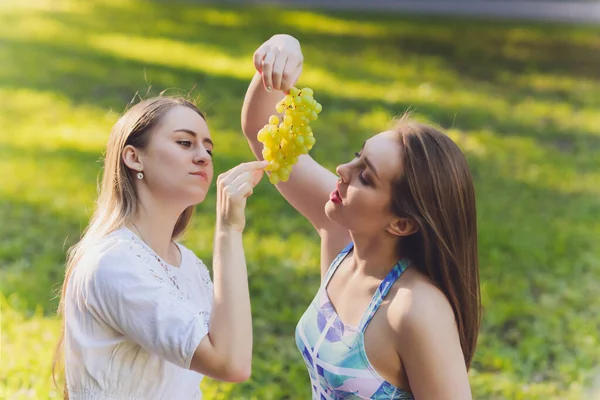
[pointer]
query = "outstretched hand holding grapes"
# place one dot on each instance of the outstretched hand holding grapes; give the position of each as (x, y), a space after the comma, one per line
(279, 61)
(287, 135)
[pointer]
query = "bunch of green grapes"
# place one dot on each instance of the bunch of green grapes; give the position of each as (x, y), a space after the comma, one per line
(289, 135)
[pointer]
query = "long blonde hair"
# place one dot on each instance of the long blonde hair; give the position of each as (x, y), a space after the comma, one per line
(117, 201)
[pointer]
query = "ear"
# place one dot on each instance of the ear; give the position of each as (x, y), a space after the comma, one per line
(402, 227)
(132, 159)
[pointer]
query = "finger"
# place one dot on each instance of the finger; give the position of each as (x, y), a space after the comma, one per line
(228, 176)
(249, 166)
(245, 190)
(256, 177)
(258, 57)
(235, 173)
(291, 73)
(278, 69)
(223, 179)
(240, 179)
(267, 70)
(293, 79)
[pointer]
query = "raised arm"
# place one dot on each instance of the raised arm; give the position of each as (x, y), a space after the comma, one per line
(278, 63)
(226, 352)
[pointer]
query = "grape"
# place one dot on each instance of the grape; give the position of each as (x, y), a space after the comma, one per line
(274, 178)
(284, 174)
(262, 135)
(288, 135)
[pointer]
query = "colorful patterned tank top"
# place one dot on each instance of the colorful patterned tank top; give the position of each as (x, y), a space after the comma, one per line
(335, 352)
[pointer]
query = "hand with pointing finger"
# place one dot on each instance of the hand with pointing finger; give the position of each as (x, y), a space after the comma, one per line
(279, 60)
(233, 188)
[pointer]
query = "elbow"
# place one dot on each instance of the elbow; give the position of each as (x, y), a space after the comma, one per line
(240, 376)
(229, 364)
(238, 373)
(226, 372)
(236, 368)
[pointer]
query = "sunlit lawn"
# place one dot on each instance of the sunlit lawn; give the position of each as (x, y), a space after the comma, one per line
(523, 101)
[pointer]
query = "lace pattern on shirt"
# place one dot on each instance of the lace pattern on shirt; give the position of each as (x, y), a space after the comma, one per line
(205, 277)
(150, 258)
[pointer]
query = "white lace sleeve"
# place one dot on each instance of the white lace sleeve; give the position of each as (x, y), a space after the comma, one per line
(123, 293)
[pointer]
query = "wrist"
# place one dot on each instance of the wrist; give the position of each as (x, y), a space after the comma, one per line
(224, 228)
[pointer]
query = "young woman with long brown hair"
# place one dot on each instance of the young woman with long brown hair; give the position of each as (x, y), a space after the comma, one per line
(397, 314)
(142, 317)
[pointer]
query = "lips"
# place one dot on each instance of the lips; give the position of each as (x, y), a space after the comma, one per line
(201, 174)
(335, 197)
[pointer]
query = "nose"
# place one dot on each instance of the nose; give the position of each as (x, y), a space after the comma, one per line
(343, 171)
(202, 156)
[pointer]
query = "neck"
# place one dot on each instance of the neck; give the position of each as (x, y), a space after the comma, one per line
(155, 222)
(375, 255)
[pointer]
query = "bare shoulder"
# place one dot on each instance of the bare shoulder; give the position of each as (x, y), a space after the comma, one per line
(419, 308)
(427, 339)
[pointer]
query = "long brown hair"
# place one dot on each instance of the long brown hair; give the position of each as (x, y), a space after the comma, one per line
(436, 190)
(117, 202)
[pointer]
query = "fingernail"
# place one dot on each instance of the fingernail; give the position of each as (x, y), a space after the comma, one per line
(269, 88)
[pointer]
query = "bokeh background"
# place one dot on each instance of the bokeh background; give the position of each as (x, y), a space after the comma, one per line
(521, 98)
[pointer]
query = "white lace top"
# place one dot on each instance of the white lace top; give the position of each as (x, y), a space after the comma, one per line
(133, 322)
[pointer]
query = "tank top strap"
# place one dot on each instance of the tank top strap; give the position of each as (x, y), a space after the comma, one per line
(336, 263)
(382, 291)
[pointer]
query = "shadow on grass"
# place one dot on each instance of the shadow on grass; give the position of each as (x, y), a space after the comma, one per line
(475, 50)
(86, 75)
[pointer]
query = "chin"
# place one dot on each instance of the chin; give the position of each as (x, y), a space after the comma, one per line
(196, 197)
(332, 211)
(199, 198)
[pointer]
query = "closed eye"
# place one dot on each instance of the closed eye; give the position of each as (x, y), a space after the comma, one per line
(185, 143)
(362, 178)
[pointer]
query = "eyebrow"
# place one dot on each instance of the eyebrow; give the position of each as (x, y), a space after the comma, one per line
(194, 134)
(369, 163)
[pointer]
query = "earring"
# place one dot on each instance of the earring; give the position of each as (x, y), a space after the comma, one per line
(140, 175)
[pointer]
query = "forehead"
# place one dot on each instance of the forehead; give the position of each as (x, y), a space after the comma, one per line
(383, 150)
(181, 117)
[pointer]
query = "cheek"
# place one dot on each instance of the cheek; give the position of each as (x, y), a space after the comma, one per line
(169, 156)
(367, 204)
(209, 169)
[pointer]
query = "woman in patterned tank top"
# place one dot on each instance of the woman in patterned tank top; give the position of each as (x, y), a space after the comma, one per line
(397, 314)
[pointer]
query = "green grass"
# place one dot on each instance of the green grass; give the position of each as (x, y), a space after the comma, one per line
(522, 100)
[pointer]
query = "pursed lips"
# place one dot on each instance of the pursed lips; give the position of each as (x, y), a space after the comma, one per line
(201, 174)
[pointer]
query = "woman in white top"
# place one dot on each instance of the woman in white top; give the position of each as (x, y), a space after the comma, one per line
(142, 319)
